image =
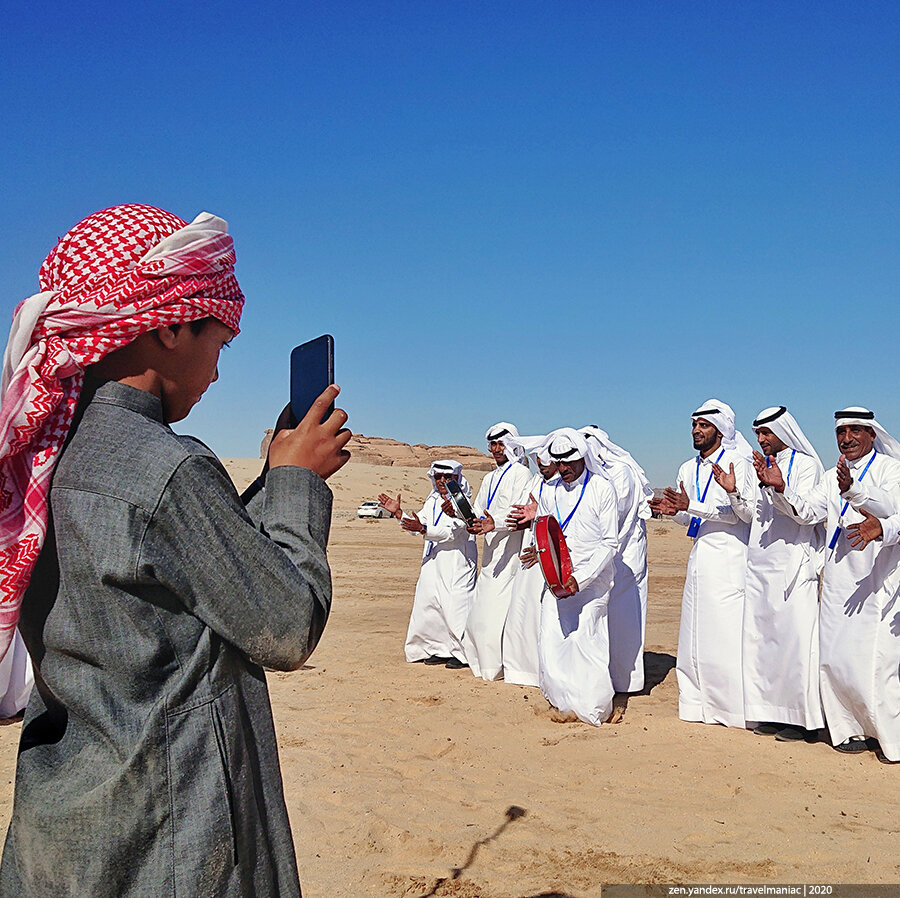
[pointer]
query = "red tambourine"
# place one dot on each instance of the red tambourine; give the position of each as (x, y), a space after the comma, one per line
(553, 555)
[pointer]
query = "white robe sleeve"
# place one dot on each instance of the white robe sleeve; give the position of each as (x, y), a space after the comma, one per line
(603, 526)
(891, 530)
(742, 504)
(805, 508)
(878, 501)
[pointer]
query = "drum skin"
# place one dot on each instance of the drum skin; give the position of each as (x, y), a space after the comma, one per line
(553, 555)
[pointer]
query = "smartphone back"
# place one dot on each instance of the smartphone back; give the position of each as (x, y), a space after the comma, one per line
(312, 370)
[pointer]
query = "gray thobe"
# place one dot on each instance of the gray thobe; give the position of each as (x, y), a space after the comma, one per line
(148, 764)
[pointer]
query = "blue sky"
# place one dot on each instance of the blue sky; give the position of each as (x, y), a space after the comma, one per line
(551, 214)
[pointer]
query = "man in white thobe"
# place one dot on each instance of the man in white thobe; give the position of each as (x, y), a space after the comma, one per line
(523, 620)
(504, 487)
(628, 599)
(859, 631)
(712, 607)
(446, 582)
(781, 598)
(574, 638)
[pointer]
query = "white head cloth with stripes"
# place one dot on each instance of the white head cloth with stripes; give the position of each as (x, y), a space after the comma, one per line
(721, 415)
(856, 414)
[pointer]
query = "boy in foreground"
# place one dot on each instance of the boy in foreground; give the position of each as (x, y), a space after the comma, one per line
(148, 763)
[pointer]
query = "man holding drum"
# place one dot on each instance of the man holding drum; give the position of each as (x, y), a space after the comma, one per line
(574, 639)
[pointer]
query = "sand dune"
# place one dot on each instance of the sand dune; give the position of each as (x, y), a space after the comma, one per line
(404, 780)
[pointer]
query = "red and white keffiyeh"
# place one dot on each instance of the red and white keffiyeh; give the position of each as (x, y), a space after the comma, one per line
(118, 273)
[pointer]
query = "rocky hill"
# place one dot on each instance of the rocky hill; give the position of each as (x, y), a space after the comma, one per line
(384, 451)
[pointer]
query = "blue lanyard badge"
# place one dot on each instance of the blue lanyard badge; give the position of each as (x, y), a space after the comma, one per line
(563, 523)
(694, 527)
(493, 492)
(837, 530)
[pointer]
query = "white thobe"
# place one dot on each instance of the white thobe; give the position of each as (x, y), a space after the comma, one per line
(445, 588)
(712, 607)
(523, 620)
(628, 599)
(859, 627)
(16, 678)
(781, 602)
(574, 638)
(500, 490)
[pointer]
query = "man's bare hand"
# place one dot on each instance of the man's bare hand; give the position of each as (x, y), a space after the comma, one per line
(487, 523)
(861, 534)
(522, 515)
(412, 523)
(727, 481)
(391, 505)
(679, 499)
(571, 584)
(319, 447)
(844, 477)
(528, 557)
(448, 509)
(768, 472)
(661, 505)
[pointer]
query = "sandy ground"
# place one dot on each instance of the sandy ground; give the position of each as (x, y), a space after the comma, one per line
(406, 780)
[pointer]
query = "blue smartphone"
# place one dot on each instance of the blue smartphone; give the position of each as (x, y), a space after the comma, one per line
(312, 370)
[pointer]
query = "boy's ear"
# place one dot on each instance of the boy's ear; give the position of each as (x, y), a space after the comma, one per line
(168, 335)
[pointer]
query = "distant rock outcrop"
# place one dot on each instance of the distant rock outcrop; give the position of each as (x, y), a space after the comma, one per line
(384, 451)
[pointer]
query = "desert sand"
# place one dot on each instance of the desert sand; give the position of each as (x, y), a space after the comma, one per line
(414, 781)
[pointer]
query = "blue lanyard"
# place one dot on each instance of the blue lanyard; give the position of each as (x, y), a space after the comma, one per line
(562, 525)
(709, 481)
(493, 492)
(434, 521)
(790, 465)
(837, 531)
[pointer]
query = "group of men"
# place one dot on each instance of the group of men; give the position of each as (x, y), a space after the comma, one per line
(505, 622)
(788, 620)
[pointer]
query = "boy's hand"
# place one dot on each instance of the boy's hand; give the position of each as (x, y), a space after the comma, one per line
(318, 447)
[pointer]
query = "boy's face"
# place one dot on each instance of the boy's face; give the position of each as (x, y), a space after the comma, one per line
(194, 367)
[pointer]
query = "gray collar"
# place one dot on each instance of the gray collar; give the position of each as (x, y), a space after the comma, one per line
(140, 401)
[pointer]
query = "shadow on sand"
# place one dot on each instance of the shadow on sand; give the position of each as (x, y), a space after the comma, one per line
(514, 812)
(656, 668)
